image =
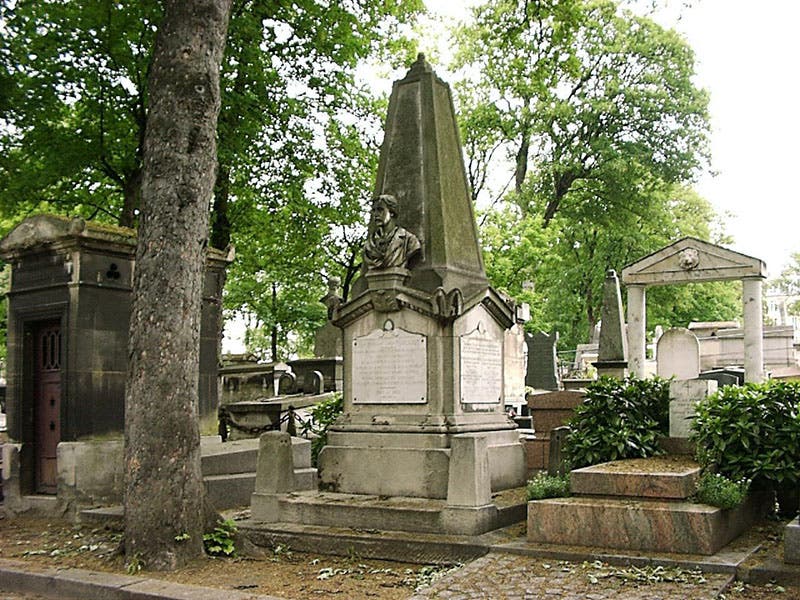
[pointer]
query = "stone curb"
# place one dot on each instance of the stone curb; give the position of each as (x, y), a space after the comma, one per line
(16, 576)
(770, 571)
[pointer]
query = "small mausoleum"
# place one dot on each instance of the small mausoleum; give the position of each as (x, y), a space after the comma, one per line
(68, 311)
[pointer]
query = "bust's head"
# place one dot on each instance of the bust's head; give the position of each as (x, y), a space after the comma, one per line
(384, 209)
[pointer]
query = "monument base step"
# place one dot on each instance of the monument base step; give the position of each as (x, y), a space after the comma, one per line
(378, 513)
(640, 524)
(234, 490)
(412, 547)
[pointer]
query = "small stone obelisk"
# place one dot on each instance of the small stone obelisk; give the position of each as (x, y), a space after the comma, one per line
(612, 359)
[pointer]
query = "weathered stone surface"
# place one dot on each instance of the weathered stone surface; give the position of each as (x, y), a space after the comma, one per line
(542, 372)
(791, 542)
(683, 398)
(421, 165)
(514, 357)
(275, 472)
(553, 409)
(660, 477)
(365, 512)
(90, 472)
(692, 260)
(680, 527)
(613, 347)
(328, 341)
(678, 354)
(385, 471)
(469, 482)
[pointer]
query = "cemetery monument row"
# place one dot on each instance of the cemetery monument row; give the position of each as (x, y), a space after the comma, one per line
(423, 336)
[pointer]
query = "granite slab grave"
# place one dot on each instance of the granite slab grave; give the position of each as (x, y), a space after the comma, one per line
(642, 505)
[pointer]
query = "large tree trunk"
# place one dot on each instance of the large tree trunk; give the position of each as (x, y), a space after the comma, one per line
(164, 491)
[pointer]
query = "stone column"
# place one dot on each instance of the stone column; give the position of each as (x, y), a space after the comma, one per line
(637, 317)
(753, 330)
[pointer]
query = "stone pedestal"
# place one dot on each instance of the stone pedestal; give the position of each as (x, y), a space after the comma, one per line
(413, 382)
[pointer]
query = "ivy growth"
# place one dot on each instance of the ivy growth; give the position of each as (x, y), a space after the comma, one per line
(220, 541)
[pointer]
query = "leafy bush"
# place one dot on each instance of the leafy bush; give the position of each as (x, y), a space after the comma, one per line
(618, 419)
(751, 432)
(220, 542)
(323, 414)
(717, 490)
(547, 486)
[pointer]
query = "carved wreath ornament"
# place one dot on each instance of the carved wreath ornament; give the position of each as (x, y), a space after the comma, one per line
(689, 259)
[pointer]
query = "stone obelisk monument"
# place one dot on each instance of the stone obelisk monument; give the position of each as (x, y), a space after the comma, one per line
(423, 351)
(424, 332)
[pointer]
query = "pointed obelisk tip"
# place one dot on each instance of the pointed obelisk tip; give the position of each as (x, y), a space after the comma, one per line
(420, 65)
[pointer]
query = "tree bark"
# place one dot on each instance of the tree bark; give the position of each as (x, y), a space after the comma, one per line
(221, 225)
(164, 491)
(131, 191)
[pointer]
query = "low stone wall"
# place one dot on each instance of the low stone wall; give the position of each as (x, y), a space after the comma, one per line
(90, 473)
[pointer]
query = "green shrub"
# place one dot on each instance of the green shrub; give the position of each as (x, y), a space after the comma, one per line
(547, 486)
(717, 490)
(751, 432)
(220, 542)
(618, 419)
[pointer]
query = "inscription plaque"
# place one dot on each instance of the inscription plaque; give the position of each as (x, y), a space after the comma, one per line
(481, 369)
(684, 396)
(390, 367)
(681, 413)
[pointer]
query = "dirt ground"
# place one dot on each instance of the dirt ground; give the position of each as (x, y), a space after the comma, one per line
(281, 572)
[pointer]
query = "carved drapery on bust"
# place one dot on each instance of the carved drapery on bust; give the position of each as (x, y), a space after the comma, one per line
(388, 245)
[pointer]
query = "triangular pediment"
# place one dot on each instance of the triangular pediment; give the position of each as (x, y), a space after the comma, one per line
(692, 260)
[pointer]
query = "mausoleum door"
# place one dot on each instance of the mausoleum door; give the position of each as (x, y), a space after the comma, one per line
(47, 404)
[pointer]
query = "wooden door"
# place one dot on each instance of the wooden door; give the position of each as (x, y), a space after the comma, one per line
(47, 404)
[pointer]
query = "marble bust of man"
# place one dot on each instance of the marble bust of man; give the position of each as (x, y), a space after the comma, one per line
(388, 245)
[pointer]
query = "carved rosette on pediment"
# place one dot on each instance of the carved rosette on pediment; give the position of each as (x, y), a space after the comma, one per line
(689, 258)
(392, 367)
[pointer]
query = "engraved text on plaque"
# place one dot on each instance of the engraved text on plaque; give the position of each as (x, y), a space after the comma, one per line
(390, 367)
(481, 369)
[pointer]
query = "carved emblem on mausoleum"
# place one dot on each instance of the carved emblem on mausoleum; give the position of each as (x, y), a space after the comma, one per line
(689, 258)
